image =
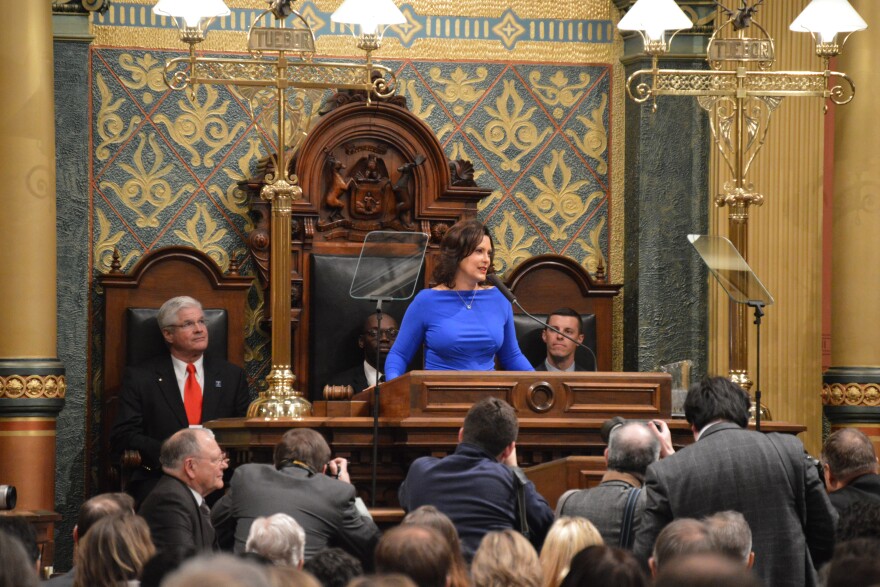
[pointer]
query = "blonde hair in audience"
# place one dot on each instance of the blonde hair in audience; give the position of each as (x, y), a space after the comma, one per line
(506, 559)
(567, 537)
(113, 551)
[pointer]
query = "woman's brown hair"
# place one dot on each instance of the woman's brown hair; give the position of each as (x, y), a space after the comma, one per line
(459, 242)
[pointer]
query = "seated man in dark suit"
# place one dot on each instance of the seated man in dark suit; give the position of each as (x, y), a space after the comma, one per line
(477, 485)
(363, 375)
(296, 484)
(169, 392)
(175, 510)
(560, 350)
(850, 466)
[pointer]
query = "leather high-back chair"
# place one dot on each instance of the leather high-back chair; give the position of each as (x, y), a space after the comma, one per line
(145, 341)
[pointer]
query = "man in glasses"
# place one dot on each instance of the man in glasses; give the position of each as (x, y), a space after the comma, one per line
(181, 389)
(371, 340)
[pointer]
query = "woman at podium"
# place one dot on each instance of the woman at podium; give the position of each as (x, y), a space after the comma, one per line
(463, 323)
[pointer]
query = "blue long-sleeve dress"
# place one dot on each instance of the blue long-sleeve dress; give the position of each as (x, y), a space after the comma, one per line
(455, 337)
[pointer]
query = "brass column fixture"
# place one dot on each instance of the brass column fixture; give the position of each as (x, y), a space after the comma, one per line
(740, 93)
(281, 63)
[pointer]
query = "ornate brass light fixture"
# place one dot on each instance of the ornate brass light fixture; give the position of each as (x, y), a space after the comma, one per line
(740, 93)
(283, 73)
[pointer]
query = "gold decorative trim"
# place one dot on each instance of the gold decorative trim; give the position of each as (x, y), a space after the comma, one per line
(27, 433)
(33, 386)
(851, 394)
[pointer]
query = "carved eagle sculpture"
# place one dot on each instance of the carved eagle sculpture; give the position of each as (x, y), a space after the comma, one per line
(742, 18)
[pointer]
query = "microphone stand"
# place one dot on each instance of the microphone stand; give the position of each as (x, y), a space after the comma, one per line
(758, 306)
(376, 404)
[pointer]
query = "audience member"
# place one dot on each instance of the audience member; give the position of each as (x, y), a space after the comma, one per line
(567, 537)
(477, 485)
(706, 570)
(561, 350)
(176, 511)
(18, 527)
(218, 570)
(419, 552)
(371, 340)
(16, 568)
(334, 567)
(386, 580)
(284, 576)
(428, 515)
(113, 552)
(760, 475)
(679, 537)
(730, 535)
(605, 565)
(617, 503)
(850, 467)
(278, 538)
(506, 559)
(307, 485)
(165, 393)
(163, 563)
(92, 510)
(860, 520)
(856, 563)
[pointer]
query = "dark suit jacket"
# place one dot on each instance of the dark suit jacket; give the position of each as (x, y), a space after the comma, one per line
(172, 512)
(860, 490)
(542, 366)
(730, 468)
(323, 506)
(476, 492)
(354, 377)
(151, 407)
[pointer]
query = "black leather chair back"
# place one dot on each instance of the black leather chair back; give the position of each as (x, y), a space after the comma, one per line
(528, 334)
(144, 339)
(337, 318)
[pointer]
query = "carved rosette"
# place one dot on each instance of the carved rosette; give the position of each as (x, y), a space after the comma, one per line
(851, 394)
(33, 386)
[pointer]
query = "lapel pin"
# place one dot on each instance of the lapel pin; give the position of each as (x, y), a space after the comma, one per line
(218, 384)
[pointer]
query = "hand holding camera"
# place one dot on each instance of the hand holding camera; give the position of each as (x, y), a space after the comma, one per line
(338, 468)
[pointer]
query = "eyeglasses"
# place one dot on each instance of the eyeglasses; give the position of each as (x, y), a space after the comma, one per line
(386, 332)
(188, 325)
(223, 458)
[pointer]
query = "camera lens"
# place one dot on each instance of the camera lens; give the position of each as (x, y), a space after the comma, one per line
(8, 497)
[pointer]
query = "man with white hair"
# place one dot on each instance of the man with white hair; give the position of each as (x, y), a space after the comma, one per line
(730, 535)
(180, 389)
(278, 538)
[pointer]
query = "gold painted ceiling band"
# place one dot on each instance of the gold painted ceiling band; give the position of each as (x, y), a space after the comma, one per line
(27, 419)
(28, 433)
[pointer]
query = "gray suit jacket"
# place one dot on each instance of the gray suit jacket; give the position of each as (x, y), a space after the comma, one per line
(780, 496)
(323, 506)
(604, 505)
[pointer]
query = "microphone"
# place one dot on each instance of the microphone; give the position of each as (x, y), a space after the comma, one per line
(505, 291)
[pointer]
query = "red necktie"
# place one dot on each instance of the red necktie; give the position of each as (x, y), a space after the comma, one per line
(192, 396)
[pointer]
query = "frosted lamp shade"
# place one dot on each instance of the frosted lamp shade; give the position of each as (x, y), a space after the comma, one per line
(653, 17)
(369, 14)
(192, 12)
(827, 18)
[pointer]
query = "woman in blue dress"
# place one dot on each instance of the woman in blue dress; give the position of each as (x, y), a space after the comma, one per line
(462, 322)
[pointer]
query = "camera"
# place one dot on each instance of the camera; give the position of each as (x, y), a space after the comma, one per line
(8, 497)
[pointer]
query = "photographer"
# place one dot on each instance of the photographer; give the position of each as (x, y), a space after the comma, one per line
(305, 484)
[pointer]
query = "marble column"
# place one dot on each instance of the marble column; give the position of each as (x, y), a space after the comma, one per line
(32, 380)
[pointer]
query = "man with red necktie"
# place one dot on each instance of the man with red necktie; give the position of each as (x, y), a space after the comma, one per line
(169, 392)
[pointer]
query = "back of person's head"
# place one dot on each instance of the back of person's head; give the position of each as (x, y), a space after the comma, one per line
(218, 570)
(19, 528)
(334, 567)
(16, 568)
(680, 537)
(279, 538)
(383, 580)
(631, 448)
(114, 551)
(716, 398)
(284, 576)
(605, 565)
(706, 570)
(849, 454)
(99, 506)
(567, 537)
(165, 562)
(730, 535)
(181, 445)
(302, 445)
(859, 520)
(419, 552)
(856, 563)
(428, 515)
(506, 559)
(490, 424)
